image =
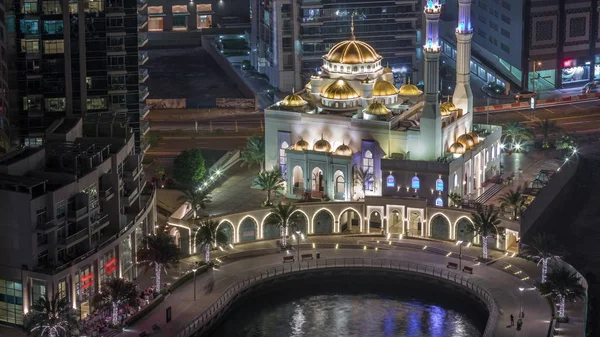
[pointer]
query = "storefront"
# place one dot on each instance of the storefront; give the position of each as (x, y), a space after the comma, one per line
(180, 17)
(597, 68)
(85, 288)
(155, 18)
(575, 71)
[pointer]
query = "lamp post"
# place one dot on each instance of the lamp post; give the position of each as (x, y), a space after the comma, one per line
(521, 302)
(533, 79)
(298, 244)
(460, 243)
(194, 269)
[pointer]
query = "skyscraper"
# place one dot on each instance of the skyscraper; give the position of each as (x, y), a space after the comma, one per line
(75, 59)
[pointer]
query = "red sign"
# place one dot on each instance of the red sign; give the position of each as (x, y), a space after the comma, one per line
(110, 266)
(87, 280)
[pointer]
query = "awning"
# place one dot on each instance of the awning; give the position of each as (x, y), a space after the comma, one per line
(182, 13)
(156, 14)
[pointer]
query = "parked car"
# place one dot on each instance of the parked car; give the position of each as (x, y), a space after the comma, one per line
(525, 95)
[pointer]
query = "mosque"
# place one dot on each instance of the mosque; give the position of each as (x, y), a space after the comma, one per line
(350, 133)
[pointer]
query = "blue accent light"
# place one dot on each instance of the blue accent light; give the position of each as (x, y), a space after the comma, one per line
(439, 185)
(439, 202)
(390, 182)
(415, 182)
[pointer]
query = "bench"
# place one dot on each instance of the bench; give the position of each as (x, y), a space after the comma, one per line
(288, 259)
(468, 270)
(143, 334)
(306, 256)
(452, 265)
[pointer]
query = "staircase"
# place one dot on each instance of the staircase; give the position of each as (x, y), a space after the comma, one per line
(488, 194)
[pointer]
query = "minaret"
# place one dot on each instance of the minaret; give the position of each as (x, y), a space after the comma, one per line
(463, 96)
(431, 120)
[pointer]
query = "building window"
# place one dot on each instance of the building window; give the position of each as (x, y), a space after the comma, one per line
(544, 30)
(30, 46)
(505, 32)
(156, 9)
(368, 167)
(62, 288)
(29, 27)
(203, 8)
(30, 7)
(283, 157)
(42, 239)
(43, 258)
(505, 18)
(416, 184)
(54, 47)
(439, 202)
(390, 181)
(55, 104)
(53, 27)
(96, 103)
(11, 302)
(92, 6)
(439, 185)
(455, 180)
(577, 26)
(51, 7)
(505, 48)
(61, 209)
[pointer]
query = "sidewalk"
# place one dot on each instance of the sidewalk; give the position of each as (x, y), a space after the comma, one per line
(501, 284)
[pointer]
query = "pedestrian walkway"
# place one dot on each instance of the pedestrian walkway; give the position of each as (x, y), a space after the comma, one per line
(503, 285)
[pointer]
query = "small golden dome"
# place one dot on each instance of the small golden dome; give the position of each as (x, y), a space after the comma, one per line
(409, 90)
(301, 145)
(475, 136)
(457, 148)
(387, 69)
(352, 52)
(339, 90)
(343, 150)
(293, 100)
(466, 140)
(450, 107)
(322, 145)
(378, 109)
(384, 88)
(444, 111)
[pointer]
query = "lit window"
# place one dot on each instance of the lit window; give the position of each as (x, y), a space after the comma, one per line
(283, 157)
(29, 27)
(203, 8)
(95, 6)
(96, 103)
(30, 7)
(55, 104)
(53, 27)
(30, 46)
(439, 201)
(54, 47)
(155, 9)
(455, 180)
(416, 184)
(368, 166)
(391, 182)
(51, 7)
(439, 185)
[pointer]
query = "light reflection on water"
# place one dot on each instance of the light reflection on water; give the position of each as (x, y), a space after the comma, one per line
(338, 315)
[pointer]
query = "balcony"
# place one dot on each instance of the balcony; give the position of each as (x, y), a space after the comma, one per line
(142, 21)
(73, 239)
(143, 75)
(132, 175)
(143, 93)
(142, 39)
(117, 88)
(144, 127)
(115, 49)
(114, 9)
(78, 213)
(117, 106)
(142, 57)
(100, 223)
(106, 193)
(130, 196)
(144, 110)
(115, 29)
(142, 4)
(115, 67)
(46, 226)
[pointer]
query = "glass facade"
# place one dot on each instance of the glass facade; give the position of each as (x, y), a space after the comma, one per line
(11, 302)
(126, 258)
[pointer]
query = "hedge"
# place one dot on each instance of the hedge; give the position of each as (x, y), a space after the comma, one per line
(137, 316)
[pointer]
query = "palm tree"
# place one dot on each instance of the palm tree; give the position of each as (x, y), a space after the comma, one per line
(455, 198)
(516, 132)
(51, 317)
(254, 153)
(362, 176)
(282, 214)
(270, 181)
(209, 235)
(197, 200)
(562, 284)
(547, 127)
(158, 251)
(117, 292)
(515, 200)
(545, 248)
(485, 224)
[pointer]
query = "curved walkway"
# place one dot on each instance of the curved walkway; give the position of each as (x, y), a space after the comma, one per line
(501, 284)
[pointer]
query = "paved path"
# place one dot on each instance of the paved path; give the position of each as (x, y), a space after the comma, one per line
(502, 284)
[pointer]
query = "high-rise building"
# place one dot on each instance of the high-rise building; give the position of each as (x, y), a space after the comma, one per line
(75, 58)
(289, 37)
(76, 209)
(557, 42)
(5, 132)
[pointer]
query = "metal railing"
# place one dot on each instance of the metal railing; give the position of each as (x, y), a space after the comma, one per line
(72, 238)
(230, 293)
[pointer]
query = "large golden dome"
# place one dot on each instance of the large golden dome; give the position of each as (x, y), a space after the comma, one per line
(339, 90)
(378, 109)
(457, 148)
(301, 145)
(384, 88)
(352, 52)
(343, 150)
(293, 100)
(409, 90)
(322, 145)
(466, 140)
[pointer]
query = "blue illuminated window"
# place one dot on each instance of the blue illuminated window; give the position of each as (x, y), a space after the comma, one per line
(439, 185)
(29, 27)
(415, 182)
(391, 182)
(439, 202)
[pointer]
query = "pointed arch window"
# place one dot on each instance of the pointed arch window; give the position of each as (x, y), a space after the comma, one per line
(439, 201)
(439, 185)
(416, 184)
(283, 157)
(390, 182)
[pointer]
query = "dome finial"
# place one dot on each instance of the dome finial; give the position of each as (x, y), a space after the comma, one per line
(352, 37)
(293, 90)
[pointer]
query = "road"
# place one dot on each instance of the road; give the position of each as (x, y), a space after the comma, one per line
(247, 122)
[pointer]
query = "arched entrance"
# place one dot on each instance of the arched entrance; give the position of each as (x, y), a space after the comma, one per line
(339, 186)
(271, 227)
(227, 228)
(375, 223)
(323, 222)
(248, 229)
(350, 222)
(283, 157)
(297, 181)
(462, 230)
(298, 222)
(440, 227)
(317, 181)
(175, 236)
(395, 222)
(414, 224)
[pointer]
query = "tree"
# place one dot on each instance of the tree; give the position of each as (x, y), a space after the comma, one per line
(188, 167)
(254, 153)
(209, 235)
(158, 251)
(545, 248)
(515, 200)
(282, 214)
(116, 292)
(270, 181)
(547, 127)
(516, 132)
(197, 200)
(50, 317)
(455, 198)
(362, 177)
(485, 224)
(563, 285)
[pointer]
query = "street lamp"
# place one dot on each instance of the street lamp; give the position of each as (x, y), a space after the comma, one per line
(459, 243)
(194, 269)
(521, 302)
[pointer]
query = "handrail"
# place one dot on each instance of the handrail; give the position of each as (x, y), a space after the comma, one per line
(227, 296)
